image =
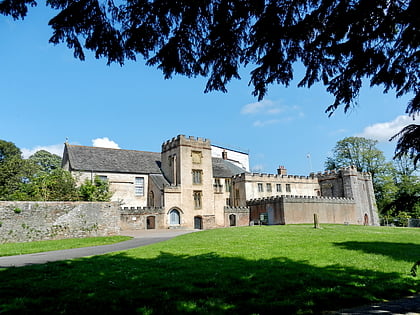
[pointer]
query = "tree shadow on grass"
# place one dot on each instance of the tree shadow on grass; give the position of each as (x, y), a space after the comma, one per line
(408, 252)
(181, 284)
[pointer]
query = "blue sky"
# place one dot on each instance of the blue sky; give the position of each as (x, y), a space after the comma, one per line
(48, 96)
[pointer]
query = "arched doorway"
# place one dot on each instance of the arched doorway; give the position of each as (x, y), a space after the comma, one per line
(174, 217)
(366, 219)
(198, 223)
(150, 222)
(232, 220)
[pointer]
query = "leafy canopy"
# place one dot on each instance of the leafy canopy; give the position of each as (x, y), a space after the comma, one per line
(339, 42)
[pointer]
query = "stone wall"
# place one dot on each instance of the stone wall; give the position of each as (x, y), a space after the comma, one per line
(22, 221)
(236, 216)
(146, 218)
(301, 209)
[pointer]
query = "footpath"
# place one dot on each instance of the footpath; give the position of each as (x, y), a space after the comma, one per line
(406, 306)
(140, 238)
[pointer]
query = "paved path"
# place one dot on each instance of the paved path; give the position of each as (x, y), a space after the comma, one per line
(406, 306)
(140, 238)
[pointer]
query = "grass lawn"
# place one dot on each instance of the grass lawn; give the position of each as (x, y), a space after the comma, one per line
(10, 249)
(249, 270)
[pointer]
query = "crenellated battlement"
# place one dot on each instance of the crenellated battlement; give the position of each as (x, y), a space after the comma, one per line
(228, 209)
(142, 210)
(264, 176)
(183, 140)
(345, 171)
(302, 199)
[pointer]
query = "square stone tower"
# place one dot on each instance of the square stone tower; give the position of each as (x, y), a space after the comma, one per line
(187, 165)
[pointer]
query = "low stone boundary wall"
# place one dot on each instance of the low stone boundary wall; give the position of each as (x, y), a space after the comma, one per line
(22, 221)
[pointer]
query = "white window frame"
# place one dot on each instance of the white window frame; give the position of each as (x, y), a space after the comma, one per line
(139, 186)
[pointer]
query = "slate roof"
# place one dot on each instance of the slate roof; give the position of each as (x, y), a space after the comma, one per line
(225, 169)
(83, 158)
(159, 180)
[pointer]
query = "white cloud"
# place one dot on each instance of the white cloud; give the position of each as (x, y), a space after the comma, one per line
(384, 131)
(105, 143)
(265, 106)
(271, 108)
(54, 149)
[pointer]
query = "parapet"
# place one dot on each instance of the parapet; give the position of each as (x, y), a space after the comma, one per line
(183, 140)
(284, 178)
(228, 209)
(300, 199)
(142, 210)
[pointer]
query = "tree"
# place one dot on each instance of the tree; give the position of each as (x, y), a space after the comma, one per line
(14, 171)
(340, 43)
(363, 154)
(8, 150)
(360, 152)
(57, 185)
(46, 160)
(98, 190)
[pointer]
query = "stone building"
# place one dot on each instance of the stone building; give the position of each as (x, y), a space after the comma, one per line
(193, 184)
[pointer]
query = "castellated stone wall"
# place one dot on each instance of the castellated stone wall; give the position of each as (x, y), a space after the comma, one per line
(22, 221)
(142, 218)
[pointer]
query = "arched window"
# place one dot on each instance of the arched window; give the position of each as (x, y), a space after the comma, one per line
(151, 199)
(232, 220)
(174, 217)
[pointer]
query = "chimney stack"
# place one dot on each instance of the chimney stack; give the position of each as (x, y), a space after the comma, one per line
(224, 155)
(281, 170)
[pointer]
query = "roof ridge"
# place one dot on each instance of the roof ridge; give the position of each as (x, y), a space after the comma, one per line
(92, 147)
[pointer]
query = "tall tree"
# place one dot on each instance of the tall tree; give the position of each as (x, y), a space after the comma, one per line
(340, 43)
(360, 152)
(46, 160)
(8, 150)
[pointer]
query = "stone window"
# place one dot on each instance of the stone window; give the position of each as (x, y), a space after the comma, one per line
(139, 186)
(288, 189)
(260, 187)
(228, 185)
(151, 199)
(228, 202)
(218, 187)
(278, 187)
(197, 199)
(197, 176)
(268, 186)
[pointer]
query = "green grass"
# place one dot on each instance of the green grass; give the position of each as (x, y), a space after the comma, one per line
(10, 249)
(250, 270)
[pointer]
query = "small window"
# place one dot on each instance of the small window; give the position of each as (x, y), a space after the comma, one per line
(197, 175)
(197, 199)
(228, 185)
(228, 202)
(260, 187)
(278, 187)
(268, 186)
(288, 189)
(139, 186)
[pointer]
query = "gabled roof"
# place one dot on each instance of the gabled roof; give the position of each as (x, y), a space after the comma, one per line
(225, 169)
(97, 159)
(159, 180)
